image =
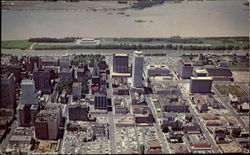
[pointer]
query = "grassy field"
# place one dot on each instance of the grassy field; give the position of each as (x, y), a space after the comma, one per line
(19, 44)
(233, 89)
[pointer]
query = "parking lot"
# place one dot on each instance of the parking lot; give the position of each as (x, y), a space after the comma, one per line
(129, 139)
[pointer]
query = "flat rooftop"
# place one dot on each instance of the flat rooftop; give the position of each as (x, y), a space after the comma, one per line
(27, 82)
(201, 78)
(200, 71)
(121, 54)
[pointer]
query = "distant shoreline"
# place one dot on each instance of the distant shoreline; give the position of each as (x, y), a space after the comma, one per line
(85, 5)
(172, 43)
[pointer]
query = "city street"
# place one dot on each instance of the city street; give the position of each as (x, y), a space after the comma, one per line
(157, 125)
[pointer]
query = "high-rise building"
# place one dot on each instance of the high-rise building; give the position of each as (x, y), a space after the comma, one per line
(47, 122)
(78, 111)
(100, 101)
(137, 69)
(23, 115)
(42, 80)
(184, 69)
(28, 92)
(120, 63)
(8, 97)
(200, 85)
(95, 71)
(77, 90)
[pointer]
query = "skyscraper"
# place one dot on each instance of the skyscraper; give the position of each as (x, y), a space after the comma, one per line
(28, 94)
(42, 80)
(137, 69)
(8, 98)
(120, 63)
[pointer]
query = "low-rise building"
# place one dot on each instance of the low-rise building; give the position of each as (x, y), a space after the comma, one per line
(157, 70)
(201, 102)
(173, 104)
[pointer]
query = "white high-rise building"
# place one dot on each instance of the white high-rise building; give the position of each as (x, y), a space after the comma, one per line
(137, 69)
(28, 94)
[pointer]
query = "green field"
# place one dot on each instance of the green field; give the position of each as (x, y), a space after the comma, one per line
(218, 43)
(16, 44)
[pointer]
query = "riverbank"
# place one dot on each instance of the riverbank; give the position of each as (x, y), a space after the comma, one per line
(63, 5)
(173, 43)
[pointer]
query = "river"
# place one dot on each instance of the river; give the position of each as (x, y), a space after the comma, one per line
(186, 19)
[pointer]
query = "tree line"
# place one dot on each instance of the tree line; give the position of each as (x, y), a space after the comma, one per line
(143, 47)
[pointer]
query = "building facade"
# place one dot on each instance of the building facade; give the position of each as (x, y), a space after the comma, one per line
(28, 92)
(8, 97)
(200, 85)
(42, 80)
(137, 69)
(100, 101)
(158, 70)
(184, 69)
(77, 90)
(47, 122)
(78, 111)
(120, 63)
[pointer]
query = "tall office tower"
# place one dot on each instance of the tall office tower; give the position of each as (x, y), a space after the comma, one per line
(47, 122)
(120, 63)
(42, 80)
(137, 69)
(28, 92)
(8, 97)
(200, 85)
(184, 69)
(95, 71)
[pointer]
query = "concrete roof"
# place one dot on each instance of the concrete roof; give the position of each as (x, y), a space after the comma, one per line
(201, 78)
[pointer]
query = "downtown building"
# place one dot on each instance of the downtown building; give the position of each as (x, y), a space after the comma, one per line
(200, 85)
(184, 69)
(42, 80)
(77, 90)
(101, 101)
(8, 96)
(157, 70)
(28, 106)
(137, 69)
(78, 111)
(47, 122)
(120, 63)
